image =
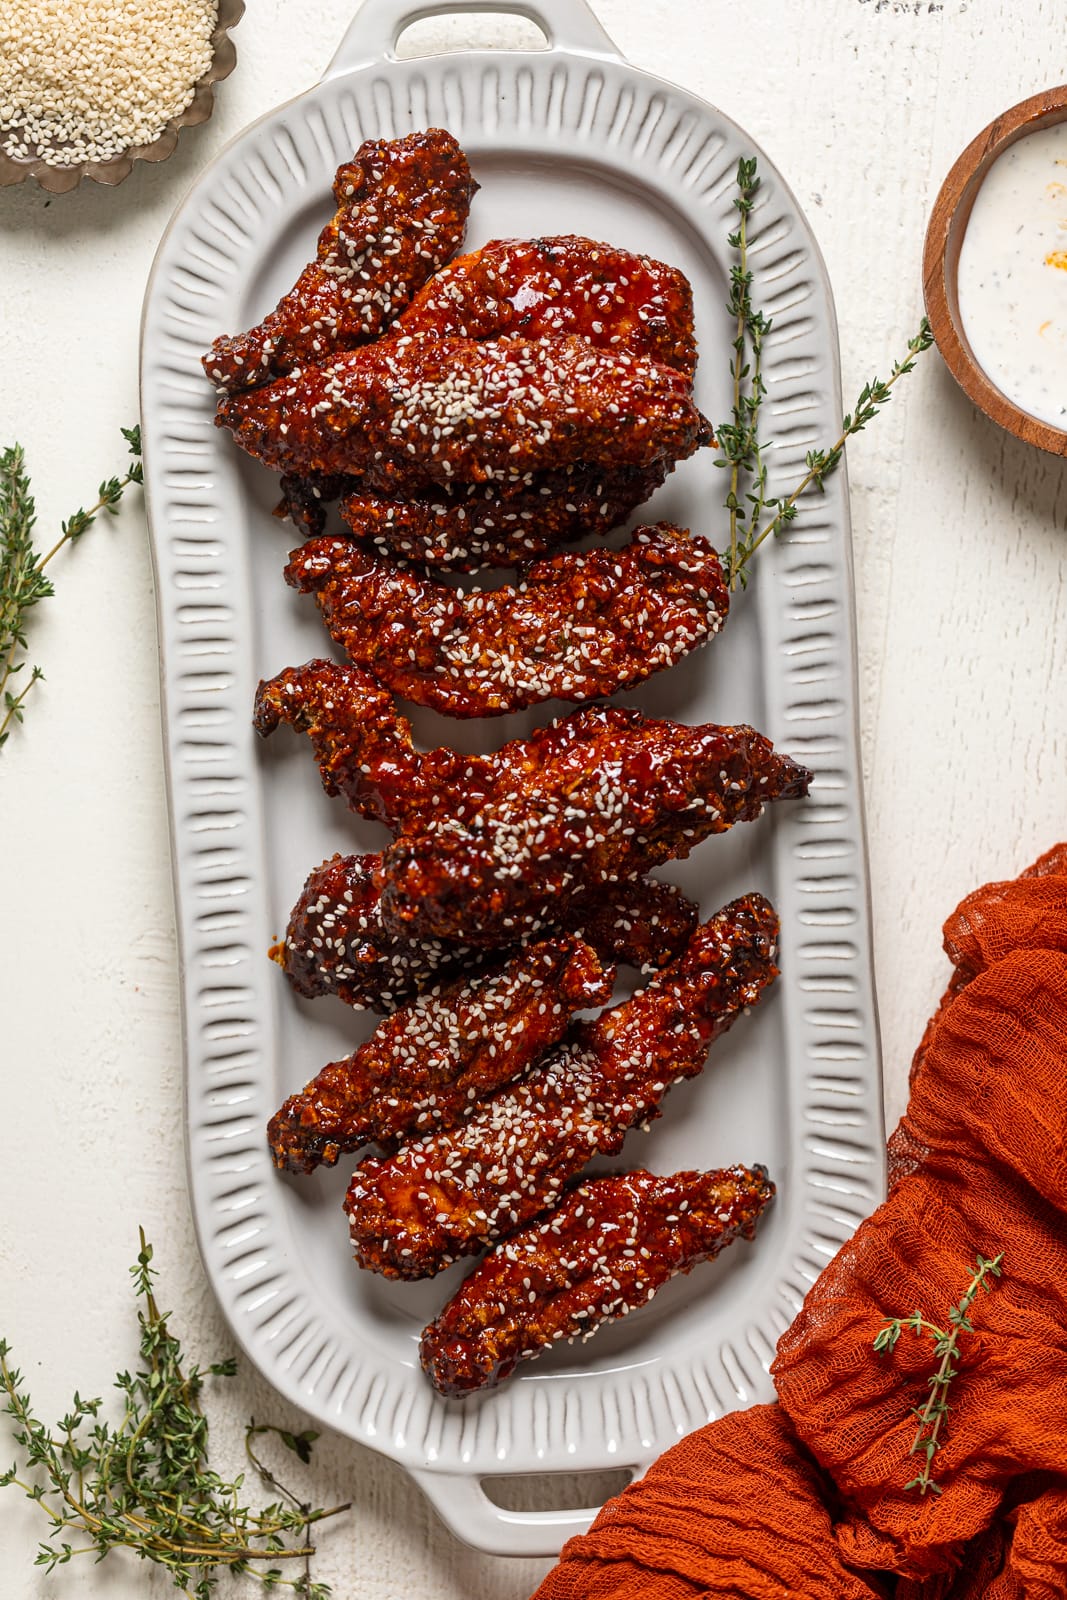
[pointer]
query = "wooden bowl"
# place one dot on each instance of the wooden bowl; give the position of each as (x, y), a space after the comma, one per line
(941, 259)
(59, 180)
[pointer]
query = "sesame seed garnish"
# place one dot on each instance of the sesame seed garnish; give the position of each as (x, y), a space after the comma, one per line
(82, 83)
(509, 1161)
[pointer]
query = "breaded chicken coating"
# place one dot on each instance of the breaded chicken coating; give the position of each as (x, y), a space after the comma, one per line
(336, 942)
(543, 288)
(428, 1064)
(450, 1194)
(606, 1249)
(402, 209)
(410, 414)
(578, 626)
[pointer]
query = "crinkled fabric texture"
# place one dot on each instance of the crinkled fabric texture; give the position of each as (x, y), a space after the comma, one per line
(685, 1530)
(807, 1498)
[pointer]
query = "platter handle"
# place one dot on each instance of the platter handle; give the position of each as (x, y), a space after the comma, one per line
(375, 29)
(466, 1509)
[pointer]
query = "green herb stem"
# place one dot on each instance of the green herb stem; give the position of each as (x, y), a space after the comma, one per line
(741, 283)
(738, 439)
(932, 1414)
(146, 1484)
(23, 584)
(822, 463)
(740, 447)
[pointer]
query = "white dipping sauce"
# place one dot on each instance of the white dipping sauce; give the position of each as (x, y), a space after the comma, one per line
(1013, 274)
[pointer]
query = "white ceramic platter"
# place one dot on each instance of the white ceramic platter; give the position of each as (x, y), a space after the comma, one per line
(566, 139)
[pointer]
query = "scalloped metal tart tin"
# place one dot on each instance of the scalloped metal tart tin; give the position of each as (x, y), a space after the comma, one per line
(566, 139)
(60, 180)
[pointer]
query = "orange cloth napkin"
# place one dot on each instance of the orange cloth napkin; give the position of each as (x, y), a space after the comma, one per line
(806, 1498)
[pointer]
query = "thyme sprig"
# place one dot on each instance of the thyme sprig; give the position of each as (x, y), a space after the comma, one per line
(933, 1412)
(755, 516)
(300, 1444)
(23, 584)
(738, 439)
(145, 1485)
(822, 463)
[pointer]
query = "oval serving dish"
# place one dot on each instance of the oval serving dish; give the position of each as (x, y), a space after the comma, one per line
(566, 139)
(941, 259)
(60, 180)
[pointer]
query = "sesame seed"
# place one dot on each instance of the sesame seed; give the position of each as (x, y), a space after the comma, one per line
(85, 83)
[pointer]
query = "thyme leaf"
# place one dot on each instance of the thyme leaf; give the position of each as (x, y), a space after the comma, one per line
(945, 1341)
(756, 517)
(738, 439)
(145, 1485)
(23, 583)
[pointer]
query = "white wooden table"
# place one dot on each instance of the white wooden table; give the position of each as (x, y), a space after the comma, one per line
(961, 556)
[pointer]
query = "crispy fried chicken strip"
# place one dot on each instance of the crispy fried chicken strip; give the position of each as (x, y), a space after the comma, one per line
(606, 1249)
(579, 625)
(620, 795)
(336, 942)
(413, 413)
(543, 288)
(488, 846)
(473, 528)
(450, 1194)
(430, 1062)
(363, 746)
(536, 288)
(402, 209)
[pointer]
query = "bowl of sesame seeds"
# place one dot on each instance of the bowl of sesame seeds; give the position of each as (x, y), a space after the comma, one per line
(88, 87)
